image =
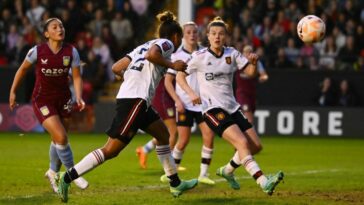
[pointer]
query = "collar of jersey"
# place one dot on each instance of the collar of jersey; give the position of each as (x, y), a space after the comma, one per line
(214, 54)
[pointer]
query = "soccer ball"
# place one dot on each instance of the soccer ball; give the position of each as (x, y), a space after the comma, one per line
(311, 29)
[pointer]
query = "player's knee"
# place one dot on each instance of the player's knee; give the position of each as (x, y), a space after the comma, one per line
(60, 139)
(257, 149)
(109, 154)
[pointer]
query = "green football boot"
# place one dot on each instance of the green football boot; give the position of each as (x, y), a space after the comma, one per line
(273, 181)
(230, 178)
(184, 186)
(62, 187)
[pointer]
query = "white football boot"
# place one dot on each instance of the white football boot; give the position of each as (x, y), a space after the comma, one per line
(81, 183)
(50, 175)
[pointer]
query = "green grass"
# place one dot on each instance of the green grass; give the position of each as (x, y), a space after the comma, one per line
(318, 171)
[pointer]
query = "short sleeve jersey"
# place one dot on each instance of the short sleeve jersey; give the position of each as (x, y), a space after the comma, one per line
(215, 76)
(141, 78)
(51, 69)
(184, 55)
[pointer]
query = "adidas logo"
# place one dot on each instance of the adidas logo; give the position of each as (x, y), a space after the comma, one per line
(209, 63)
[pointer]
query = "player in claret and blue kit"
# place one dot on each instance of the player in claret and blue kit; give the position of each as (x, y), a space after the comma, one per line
(51, 96)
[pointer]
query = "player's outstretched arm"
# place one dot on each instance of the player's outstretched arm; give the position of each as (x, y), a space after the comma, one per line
(19, 76)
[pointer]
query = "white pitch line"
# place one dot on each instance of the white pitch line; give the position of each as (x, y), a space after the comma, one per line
(155, 187)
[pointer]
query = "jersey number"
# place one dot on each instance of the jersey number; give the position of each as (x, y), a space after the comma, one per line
(139, 63)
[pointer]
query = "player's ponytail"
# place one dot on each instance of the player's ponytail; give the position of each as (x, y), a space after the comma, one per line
(169, 26)
(217, 21)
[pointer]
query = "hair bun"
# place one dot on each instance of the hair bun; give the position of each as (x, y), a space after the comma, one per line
(217, 18)
(166, 16)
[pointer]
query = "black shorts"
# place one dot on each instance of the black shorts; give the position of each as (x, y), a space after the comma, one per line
(186, 119)
(131, 115)
(218, 120)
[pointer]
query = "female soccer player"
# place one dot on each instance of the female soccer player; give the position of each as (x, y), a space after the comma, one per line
(51, 96)
(187, 113)
(214, 67)
(146, 65)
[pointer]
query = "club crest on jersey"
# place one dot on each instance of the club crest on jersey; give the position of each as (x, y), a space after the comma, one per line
(181, 117)
(166, 46)
(228, 60)
(66, 60)
(44, 110)
(220, 116)
(44, 61)
(170, 112)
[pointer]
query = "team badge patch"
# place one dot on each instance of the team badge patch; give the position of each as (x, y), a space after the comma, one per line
(228, 60)
(166, 46)
(44, 110)
(220, 116)
(66, 60)
(181, 117)
(170, 112)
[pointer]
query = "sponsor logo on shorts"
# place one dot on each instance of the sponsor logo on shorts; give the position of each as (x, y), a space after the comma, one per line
(44, 110)
(220, 116)
(68, 106)
(170, 112)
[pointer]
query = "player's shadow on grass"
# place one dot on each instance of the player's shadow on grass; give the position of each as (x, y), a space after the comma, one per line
(39, 199)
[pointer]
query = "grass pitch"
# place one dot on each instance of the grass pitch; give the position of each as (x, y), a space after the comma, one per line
(317, 171)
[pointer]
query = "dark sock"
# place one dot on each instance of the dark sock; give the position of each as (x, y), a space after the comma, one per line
(177, 161)
(205, 161)
(257, 175)
(175, 181)
(70, 175)
(233, 164)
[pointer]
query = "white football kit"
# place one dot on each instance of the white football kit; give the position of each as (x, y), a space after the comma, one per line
(215, 77)
(141, 78)
(184, 55)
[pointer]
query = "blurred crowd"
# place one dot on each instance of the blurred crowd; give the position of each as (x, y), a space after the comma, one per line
(270, 27)
(102, 31)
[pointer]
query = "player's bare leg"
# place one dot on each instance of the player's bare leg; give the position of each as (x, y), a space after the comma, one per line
(235, 137)
(60, 150)
(95, 158)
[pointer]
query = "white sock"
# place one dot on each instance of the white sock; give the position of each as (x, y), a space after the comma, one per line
(89, 162)
(165, 157)
(233, 164)
(177, 155)
(206, 155)
(252, 167)
(147, 148)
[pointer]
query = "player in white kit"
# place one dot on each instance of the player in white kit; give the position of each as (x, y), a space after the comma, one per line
(145, 65)
(187, 113)
(214, 67)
